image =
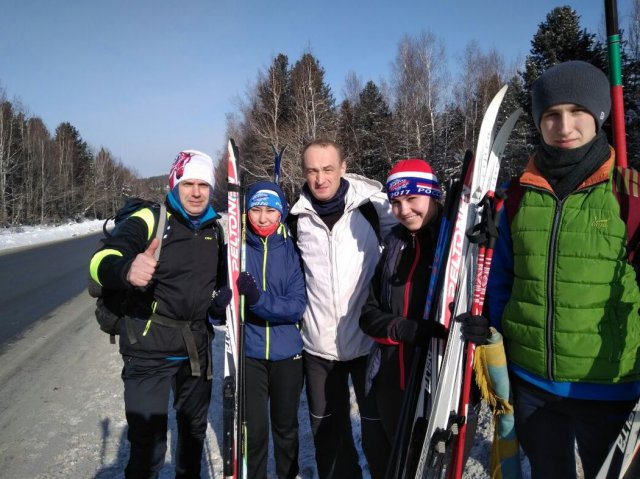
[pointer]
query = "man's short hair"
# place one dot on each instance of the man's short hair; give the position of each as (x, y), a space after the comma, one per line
(322, 143)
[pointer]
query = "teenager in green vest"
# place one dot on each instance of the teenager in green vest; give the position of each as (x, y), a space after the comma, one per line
(562, 290)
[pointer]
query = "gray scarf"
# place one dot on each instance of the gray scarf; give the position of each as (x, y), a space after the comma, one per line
(565, 169)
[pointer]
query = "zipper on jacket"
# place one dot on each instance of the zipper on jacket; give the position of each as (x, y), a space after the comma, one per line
(553, 239)
(193, 290)
(333, 286)
(405, 309)
(349, 209)
(407, 289)
(267, 330)
(549, 323)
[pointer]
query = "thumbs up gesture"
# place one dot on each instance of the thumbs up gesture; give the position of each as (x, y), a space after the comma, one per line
(143, 266)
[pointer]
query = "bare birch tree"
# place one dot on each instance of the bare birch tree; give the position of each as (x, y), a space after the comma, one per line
(419, 73)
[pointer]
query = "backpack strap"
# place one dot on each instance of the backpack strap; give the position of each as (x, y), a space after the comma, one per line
(366, 209)
(369, 212)
(626, 188)
(514, 193)
(160, 227)
(220, 231)
(292, 224)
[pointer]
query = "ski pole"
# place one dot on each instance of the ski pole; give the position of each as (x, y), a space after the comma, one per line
(615, 79)
(485, 233)
(231, 441)
(242, 421)
(277, 159)
(234, 424)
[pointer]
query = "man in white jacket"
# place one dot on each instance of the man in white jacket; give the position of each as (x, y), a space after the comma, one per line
(339, 247)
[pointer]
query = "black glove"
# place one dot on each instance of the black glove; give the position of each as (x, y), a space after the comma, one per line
(416, 332)
(219, 301)
(247, 286)
(475, 329)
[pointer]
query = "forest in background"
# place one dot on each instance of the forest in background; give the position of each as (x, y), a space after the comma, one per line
(420, 111)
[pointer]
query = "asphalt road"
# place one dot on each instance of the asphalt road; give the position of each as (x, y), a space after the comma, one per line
(36, 280)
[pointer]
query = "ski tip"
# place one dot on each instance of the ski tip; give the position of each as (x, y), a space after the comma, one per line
(504, 133)
(503, 91)
(497, 99)
(232, 148)
(515, 115)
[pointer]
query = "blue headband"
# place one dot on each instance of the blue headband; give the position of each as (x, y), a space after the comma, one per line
(267, 198)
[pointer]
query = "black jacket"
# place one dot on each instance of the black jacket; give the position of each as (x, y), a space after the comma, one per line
(190, 267)
(406, 263)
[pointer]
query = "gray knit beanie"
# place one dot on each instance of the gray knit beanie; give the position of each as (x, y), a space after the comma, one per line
(575, 82)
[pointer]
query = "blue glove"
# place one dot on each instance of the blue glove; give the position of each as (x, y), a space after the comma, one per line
(219, 302)
(248, 287)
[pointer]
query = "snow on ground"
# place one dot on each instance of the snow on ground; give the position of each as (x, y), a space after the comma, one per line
(17, 237)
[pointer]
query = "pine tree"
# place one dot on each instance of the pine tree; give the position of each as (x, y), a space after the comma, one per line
(347, 136)
(313, 104)
(373, 125)
(559, 38)
(271, 114)
(12, 162)
(74, 162)
(449, 148)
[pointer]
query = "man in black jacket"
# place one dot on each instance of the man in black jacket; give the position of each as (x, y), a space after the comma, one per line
(165, 338)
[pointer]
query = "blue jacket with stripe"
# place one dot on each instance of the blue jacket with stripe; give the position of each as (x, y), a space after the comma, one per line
(272, 324)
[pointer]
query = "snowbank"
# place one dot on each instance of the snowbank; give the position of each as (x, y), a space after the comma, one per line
(18, 236)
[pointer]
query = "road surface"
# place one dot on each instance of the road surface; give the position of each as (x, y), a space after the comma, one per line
(35, 281)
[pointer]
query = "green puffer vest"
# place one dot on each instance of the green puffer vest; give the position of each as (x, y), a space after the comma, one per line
(573, 311)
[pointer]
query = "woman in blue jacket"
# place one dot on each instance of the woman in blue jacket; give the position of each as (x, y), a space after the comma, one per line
(275, 298)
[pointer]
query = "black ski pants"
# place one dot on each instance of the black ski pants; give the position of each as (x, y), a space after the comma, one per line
(147, 383)
(549, 426)
(328, 395)
(272, 391)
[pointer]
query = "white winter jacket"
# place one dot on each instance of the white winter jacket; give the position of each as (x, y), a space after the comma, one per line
(338, 267)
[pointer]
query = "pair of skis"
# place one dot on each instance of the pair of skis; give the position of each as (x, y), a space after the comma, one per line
(234, 428)
(437, 423)
(623, 460)
(449, 404)
(233, 400)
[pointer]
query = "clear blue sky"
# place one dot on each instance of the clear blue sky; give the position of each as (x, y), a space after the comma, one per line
(147, 78)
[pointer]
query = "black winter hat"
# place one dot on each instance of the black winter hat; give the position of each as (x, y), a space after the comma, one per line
(575, 82)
